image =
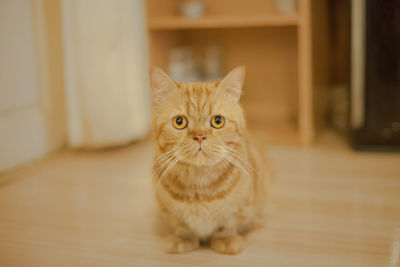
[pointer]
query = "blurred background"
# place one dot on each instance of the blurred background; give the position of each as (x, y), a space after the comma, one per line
(323, 82)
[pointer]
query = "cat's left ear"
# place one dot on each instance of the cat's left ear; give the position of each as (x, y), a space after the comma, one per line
(161, 84)
(231, 85)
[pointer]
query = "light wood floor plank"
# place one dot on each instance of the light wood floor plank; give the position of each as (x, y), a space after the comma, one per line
(329, 206)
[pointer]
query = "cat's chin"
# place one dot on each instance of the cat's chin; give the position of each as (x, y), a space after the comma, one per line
(201, 159)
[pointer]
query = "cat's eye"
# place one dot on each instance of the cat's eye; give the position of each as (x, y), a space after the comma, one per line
(179, 122)
(217, 121)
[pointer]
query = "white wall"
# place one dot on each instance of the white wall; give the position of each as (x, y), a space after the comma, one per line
(106, 66)
(32, 122)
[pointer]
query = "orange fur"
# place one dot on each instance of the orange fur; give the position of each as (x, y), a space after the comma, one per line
(215, 193)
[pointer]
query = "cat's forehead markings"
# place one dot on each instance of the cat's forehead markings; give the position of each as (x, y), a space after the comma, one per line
(197, 97)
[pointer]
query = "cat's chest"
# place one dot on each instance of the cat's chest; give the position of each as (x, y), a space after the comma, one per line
(201, 218)
(204, 218)
(204, 206)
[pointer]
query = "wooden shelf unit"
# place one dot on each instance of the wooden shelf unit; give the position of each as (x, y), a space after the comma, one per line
(277, 50)
(209, 22)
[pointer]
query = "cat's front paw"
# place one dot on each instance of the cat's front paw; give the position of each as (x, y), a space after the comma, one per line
(228, 245)
(175, 244)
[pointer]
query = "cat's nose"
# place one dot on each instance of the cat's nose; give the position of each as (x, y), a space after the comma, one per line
(199, 138)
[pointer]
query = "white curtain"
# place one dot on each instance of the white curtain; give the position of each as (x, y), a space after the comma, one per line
(106, 72)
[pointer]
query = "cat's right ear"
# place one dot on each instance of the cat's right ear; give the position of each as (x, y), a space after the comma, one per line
(231, 85)
(161, 84)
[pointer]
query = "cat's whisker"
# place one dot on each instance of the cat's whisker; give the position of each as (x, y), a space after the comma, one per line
(164, 164)
(168, 159)
(236, 163)
(219, 160)
(165, 155)
(241, 157)
(218, 151)
(162, 177)
(236, 153)
(177, 157)
(225, 167)
(234, 157)
(246, 164)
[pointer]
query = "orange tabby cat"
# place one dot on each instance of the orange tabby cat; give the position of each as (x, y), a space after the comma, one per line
(207, 175)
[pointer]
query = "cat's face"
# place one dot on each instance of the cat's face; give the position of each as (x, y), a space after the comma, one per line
(197, 122)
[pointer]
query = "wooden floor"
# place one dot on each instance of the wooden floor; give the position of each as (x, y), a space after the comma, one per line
(330, 207)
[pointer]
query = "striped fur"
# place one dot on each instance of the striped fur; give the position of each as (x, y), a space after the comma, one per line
(216, 194)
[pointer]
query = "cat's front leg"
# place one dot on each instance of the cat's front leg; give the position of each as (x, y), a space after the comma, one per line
(177, 244)
(227, 241)
(181, 241)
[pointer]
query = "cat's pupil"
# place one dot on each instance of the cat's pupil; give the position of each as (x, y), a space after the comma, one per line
(179, 120)
(218, 120)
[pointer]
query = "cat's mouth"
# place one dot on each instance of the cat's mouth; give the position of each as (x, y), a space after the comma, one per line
(200, 152)
(201, 157)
